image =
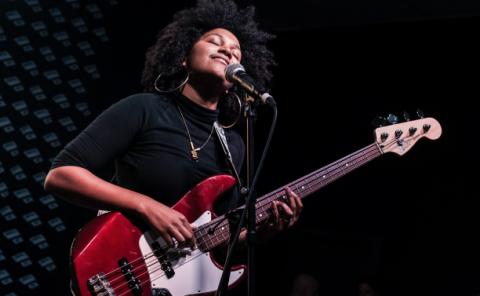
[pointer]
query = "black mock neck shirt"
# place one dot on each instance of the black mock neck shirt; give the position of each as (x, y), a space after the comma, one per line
(145, 137)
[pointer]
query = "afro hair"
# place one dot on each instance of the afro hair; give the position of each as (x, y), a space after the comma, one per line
(174, 41)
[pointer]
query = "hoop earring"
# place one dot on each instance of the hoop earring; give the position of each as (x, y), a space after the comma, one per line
(239, 111)
(172, 89)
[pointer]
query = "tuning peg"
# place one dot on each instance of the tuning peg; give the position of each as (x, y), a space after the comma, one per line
(420, 113)
(379, 121)
(392, 119)
(406, 116)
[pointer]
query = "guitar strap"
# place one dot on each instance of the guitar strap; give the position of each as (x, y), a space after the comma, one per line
(228, 155)
(223, 141)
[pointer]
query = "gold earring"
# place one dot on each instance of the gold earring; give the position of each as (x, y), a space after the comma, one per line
(239, 109)
(172, 89)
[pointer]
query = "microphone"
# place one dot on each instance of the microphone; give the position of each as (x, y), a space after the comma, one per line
(235, 73)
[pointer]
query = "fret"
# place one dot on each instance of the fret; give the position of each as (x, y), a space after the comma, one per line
(302, 187)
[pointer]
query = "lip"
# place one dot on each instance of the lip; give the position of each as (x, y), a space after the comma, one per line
(221, 59)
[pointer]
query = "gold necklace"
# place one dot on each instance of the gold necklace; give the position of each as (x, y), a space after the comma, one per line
(194, 150)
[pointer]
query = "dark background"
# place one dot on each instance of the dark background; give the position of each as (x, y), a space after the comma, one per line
(407, 223)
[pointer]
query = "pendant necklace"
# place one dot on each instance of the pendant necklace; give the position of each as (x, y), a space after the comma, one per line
(194, 150)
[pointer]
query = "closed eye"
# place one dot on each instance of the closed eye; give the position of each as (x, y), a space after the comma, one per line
(214, 42)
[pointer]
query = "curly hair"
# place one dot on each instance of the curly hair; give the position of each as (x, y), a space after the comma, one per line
(176, 40)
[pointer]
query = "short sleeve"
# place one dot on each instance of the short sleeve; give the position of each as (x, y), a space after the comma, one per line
(107, 137)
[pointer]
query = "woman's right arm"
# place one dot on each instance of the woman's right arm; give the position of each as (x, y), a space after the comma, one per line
(109, 136)
(79, 186)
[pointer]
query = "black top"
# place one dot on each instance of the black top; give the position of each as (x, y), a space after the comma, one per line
(146, 138)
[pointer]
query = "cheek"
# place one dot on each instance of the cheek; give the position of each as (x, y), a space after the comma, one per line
(198, 59)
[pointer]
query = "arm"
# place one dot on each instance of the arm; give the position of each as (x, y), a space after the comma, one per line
(72, 175)
(79, 186)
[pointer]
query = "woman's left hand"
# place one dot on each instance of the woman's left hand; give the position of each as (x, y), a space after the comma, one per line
(285, 215)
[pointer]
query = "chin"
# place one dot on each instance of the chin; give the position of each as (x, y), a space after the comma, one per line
(215, 76)
(220, 77)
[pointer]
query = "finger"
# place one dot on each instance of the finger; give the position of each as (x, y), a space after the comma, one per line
(194, 228)
(187, 232)
(186, 224)
(188, 235)
(287, 211)
(288, 221)
(297, 209)
(292, 198)
(292, 204)
(290, 192)
(276, 214)
(167, 238)
(287, 216)
(178, 236)
(299, 203)
(279, 224)
(296, 203)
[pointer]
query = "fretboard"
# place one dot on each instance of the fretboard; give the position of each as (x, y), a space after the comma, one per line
(216, 232)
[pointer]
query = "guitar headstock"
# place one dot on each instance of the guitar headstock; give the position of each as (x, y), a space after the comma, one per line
(400, 137)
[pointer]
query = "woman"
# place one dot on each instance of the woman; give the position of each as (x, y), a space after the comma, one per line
(163, 141)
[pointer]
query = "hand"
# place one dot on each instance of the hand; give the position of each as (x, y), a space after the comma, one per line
(169, 224)
(283, 215)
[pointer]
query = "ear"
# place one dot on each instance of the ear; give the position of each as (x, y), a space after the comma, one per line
(184, 63)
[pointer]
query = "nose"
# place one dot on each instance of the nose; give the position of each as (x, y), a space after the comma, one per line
(226, 51)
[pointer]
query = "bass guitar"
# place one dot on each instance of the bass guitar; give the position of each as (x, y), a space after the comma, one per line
(115, 255)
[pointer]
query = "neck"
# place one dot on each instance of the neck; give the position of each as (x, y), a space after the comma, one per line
(205, 97)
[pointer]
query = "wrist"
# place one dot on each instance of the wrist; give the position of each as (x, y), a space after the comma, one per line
(141, 206)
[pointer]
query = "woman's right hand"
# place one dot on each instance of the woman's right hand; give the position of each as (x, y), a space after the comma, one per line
(169, 223)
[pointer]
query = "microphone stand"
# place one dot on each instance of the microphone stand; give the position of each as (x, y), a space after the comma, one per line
(235, 222)
(250, 199)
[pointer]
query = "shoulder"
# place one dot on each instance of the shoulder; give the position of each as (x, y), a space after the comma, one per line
(137, 109)
(144, 103)
(145, 99)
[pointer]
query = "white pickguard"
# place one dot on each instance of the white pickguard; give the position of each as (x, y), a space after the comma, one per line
(195, 273)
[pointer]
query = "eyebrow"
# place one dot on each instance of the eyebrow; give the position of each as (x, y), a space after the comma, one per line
(221, 36)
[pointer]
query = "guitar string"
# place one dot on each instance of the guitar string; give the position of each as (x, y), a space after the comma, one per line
(327, 171)
(304, 186)
(147, 277)
(148, 256)
(209, 240)
(292, 184)
(149, 272)
(266, 197)
(265, 200)
(162, 274)
(362, 150)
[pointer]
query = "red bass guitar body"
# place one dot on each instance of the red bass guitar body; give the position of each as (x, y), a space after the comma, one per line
(113, 255)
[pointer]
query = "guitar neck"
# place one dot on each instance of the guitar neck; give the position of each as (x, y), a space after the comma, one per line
(316, 180)
(217, 231)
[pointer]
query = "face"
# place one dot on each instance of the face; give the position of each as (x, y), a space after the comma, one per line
(211, 54)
